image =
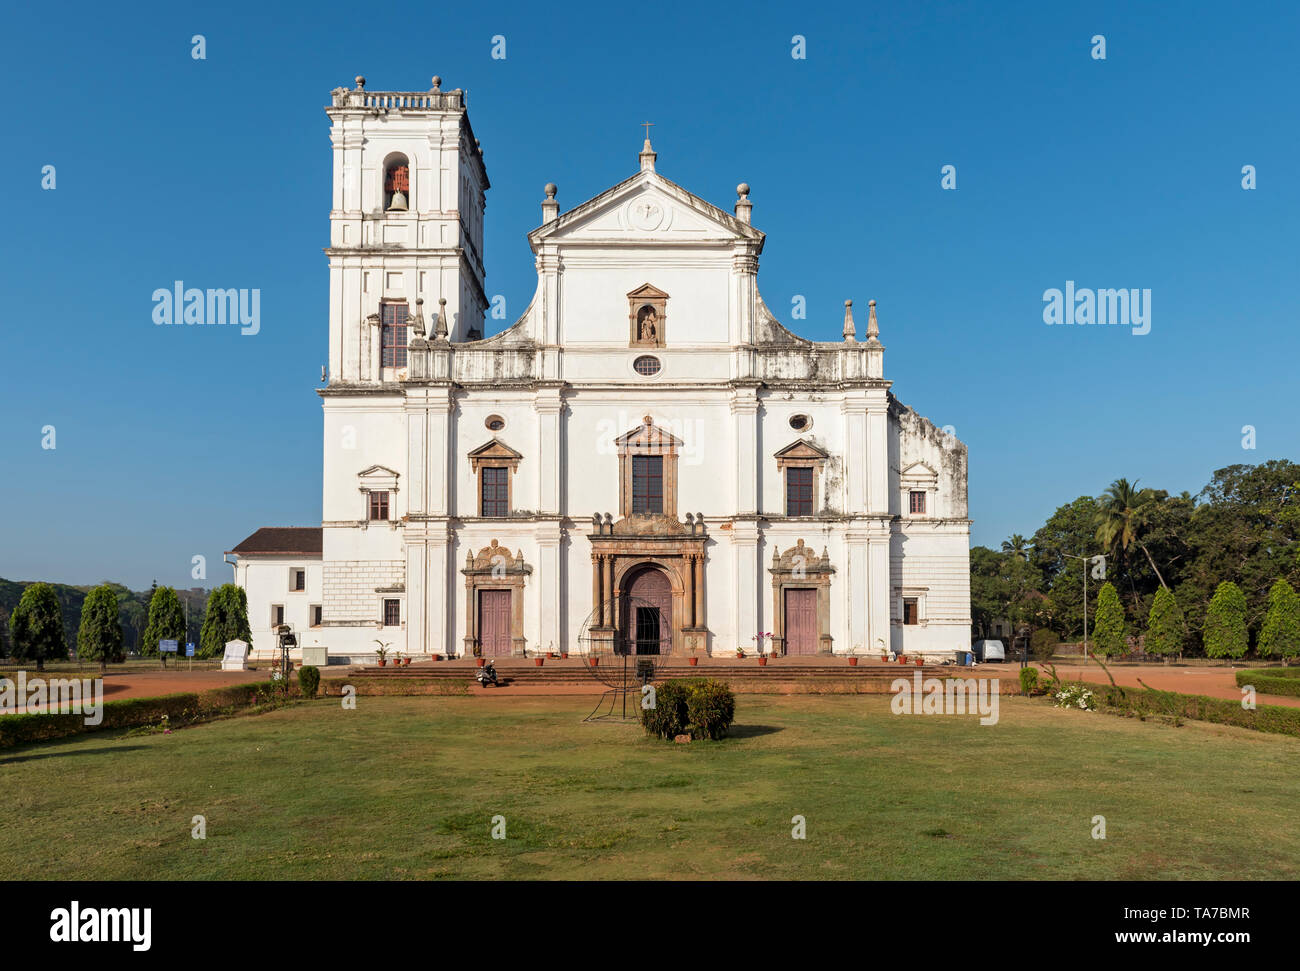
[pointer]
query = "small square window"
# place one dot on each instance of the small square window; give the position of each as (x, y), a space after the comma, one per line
(392, 613)
(378, 506)
(277, 615)
(910, 611)
(297, 580)
(314, 612)
(917, 502)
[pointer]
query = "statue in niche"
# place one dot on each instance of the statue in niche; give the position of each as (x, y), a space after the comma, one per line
(647, 325)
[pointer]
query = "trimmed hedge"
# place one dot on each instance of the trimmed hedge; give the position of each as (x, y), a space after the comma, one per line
(699, 707)
(397, 687)
(1265, 718)
(179, 709)
(309, 680)
(1272, 681)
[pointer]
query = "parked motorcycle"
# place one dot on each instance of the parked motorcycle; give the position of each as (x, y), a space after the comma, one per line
(487, 675)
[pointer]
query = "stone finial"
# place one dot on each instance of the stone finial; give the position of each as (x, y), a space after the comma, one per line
(437, 83)
(361, 82)
(550, 208)
(776, 556)
(873, 327)
(699, 518)
(648, 156)
(417, 322)
(440, 329)
(743, 206)
(850, 328)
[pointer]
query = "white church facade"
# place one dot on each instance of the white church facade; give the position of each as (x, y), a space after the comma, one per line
(646, 459)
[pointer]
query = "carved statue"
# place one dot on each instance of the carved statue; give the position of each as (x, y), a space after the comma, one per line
(647, 329)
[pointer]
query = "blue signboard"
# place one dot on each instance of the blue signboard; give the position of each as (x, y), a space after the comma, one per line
(189, 648)
(166, 647)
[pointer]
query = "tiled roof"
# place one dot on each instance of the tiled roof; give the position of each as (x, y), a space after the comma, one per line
(302, 540)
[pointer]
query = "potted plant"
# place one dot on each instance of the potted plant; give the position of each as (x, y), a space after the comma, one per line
(759, 638)
(853, 660)
(693, 660)
(538, 660)
(920, 660)
(902, 659)
(594, 659)
(740, 652)
(381, 652)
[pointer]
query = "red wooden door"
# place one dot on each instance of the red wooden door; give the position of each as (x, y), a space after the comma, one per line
(649, 615)
(494, 622)
(801, 621)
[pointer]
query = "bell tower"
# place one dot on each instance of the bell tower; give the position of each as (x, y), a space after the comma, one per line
(406, 228)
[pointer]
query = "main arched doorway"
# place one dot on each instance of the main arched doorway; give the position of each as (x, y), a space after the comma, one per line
(648, 613)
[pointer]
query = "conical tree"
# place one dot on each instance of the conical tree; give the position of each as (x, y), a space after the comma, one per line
(1166, 627)
(1109, 634)
(36, 627)
(1225, 622)
(100, 636)
(166, 621)
(1280, 634)
(226, 619)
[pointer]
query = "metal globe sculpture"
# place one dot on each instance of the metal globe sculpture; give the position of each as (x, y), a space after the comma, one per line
(624, 655)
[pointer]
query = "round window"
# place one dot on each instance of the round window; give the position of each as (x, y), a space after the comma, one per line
(800, 422)
(646, 365)
(495, 423)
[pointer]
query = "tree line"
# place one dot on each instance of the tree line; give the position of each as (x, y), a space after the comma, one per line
(1212, 574)
(36, 627)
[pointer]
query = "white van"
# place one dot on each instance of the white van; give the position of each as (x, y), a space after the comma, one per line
(986, 651)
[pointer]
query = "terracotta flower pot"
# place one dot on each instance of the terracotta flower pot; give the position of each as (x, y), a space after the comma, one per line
(595, 661)
(853, 662)
(565, 656)
(762, 662)
(480, 661)
(920, 661)
(902, 659)
(538, 661)
(693, 662)
(382, 662)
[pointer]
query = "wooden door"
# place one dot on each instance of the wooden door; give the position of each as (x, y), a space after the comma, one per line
(649, 619)
(494, 622)
(801, 621)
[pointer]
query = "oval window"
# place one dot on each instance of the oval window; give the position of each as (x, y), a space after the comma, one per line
(646, 365)
(495, 423)
(800, 423)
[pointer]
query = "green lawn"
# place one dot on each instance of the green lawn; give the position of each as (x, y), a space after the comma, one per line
(407, 787)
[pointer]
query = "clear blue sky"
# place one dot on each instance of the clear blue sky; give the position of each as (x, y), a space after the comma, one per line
(1125, 172)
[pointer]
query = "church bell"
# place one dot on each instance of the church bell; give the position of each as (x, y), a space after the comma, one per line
(399, 202)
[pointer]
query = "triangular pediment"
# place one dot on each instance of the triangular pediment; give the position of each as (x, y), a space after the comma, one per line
(802, 450)
(378, 472)
(495, 449)
(648, 434)
(647, 291)
(645, 208)
(918, 471)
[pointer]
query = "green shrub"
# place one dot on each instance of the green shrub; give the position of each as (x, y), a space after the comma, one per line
(1272, 681)
(1042, 645)
(178, 709)
(308, 680)
(698, 707)
(1028, 681)
(710, 710)
(1265, 718)
(1225, 622)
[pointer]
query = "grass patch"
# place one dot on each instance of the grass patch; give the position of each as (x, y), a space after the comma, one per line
(407, 788)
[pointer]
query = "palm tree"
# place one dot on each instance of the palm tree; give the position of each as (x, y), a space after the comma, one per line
(1018, 545)
(1123, 514)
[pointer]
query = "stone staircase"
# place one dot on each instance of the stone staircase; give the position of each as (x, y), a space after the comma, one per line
(787, 674)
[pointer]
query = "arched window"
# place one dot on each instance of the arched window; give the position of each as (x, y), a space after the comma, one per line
(397, 184)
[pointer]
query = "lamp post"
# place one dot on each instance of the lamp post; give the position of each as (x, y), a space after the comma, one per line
(1098, 563)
